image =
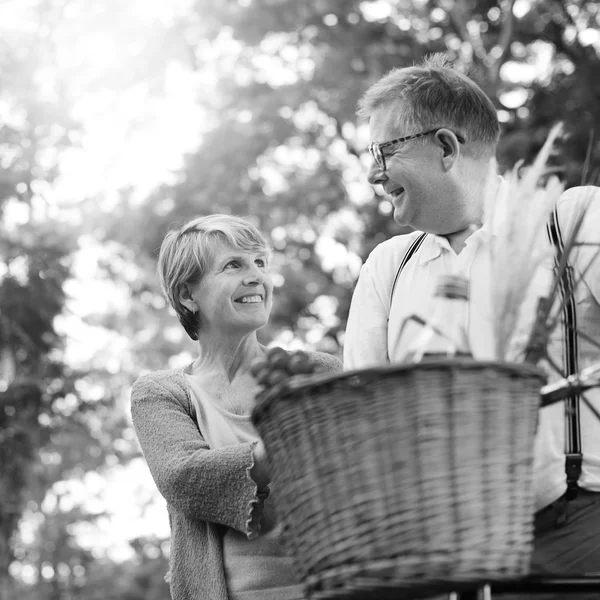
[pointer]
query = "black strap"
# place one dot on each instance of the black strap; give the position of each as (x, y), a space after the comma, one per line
(573, 454)
(409, 253)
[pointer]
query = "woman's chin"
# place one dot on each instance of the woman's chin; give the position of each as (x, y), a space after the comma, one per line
(256, 322)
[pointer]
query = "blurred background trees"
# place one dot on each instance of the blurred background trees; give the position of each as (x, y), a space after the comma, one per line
(119, 119)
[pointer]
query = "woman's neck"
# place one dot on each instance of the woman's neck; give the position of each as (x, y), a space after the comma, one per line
(226, 356)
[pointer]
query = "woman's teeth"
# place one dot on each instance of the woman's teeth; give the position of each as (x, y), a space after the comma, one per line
(250, 299)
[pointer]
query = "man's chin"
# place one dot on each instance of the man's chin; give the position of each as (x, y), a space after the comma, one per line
(404, 229)
(401, 221)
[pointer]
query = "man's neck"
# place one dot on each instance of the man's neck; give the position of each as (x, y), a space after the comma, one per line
(458, 239)
(478, 192)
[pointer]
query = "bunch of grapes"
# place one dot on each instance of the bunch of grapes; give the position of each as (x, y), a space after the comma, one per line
(279, 365)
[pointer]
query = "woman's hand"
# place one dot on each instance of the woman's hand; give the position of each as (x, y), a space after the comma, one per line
(260, 471)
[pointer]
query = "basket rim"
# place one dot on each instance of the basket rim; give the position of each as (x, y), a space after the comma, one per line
(294, 383)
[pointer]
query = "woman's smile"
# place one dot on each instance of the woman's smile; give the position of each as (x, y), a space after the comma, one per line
(250, 299)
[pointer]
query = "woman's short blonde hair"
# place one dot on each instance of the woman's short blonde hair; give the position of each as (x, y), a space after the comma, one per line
(187, 252)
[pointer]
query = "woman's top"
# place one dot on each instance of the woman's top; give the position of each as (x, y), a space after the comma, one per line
(207, 491)
(256, 569)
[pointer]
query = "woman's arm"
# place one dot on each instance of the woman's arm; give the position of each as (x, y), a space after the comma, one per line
(208, 485)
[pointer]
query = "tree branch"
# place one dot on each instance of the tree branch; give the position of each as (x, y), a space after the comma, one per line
(504, 38)
(459, 15)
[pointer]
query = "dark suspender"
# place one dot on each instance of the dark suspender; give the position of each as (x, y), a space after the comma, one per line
(573, 454)
(411, 250)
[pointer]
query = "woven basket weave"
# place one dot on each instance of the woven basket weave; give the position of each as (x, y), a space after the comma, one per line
(404, 481)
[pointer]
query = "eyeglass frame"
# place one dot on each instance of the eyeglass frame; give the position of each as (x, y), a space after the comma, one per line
(379, 157)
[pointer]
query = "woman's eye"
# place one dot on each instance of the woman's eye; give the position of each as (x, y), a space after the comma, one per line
(233, 263)
(260, 262)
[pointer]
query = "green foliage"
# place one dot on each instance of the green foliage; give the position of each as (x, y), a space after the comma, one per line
(278, 82)
(331, 51)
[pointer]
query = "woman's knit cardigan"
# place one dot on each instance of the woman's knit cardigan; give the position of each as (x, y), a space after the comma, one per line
(204, 489)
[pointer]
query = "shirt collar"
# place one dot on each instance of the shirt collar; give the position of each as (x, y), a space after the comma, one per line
(432, 248)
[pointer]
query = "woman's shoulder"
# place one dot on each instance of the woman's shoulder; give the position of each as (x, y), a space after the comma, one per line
(167, 380)
(326, 361)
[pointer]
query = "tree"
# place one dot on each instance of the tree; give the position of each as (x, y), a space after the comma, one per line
(277, 82)
(283, 144)
(44, 430)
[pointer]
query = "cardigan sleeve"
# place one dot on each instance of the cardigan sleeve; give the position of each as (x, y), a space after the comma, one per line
(204, 484)
(326, 361)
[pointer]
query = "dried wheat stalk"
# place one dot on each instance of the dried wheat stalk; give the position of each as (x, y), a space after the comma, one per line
(517, 217)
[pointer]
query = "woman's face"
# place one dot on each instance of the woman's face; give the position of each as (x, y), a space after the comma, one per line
(236, 293)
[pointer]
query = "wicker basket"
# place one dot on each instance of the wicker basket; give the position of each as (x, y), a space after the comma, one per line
(404, 481)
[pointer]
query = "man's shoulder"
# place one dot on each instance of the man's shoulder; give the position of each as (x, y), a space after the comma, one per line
(580, 201)
(579, 196)
(393, 250)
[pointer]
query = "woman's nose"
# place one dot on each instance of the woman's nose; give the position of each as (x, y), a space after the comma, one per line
(254, 276)
(376, 175)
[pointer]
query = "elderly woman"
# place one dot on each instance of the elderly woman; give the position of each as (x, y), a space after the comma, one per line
(193, 423)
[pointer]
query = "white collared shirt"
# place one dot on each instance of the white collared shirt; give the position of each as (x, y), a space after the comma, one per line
(373, 340)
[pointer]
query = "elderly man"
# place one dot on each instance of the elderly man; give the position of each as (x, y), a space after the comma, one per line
(434, 135)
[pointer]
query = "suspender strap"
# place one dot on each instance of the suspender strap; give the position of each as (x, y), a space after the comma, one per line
(409, 253)
(573, 454)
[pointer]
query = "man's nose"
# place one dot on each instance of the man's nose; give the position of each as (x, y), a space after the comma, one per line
(376, 175)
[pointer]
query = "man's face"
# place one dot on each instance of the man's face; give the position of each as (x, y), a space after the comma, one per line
(416, 178)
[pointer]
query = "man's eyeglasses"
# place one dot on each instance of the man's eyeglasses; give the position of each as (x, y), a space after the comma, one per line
(376, 148)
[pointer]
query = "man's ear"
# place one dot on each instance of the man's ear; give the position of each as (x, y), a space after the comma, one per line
(450, 146)
(185, 293)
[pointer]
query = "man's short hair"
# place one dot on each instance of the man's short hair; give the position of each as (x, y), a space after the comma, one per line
(433, 94)
(187, 253)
